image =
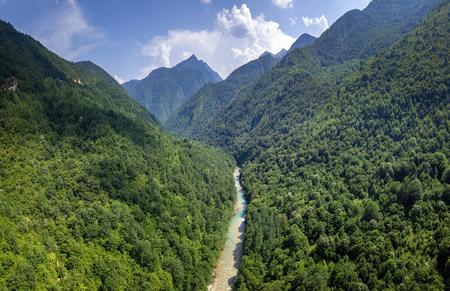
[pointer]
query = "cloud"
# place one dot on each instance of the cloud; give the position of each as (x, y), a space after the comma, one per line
(283, 3)
(65, 31)
(236, 39)
(118, 79)
(293, 20)
(205, 1)
(320, 23)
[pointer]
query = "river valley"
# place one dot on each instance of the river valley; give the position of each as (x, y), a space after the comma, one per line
(227, 267)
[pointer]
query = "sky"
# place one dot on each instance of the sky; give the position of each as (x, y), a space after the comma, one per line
(131, 38)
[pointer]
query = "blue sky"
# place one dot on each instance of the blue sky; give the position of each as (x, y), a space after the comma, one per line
(130, 38)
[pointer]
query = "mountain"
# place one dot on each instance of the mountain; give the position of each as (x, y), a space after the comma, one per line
(164, 90)
(343, 145)
(344, 150)
(357, 197)
(190, 118)
(303, 41)
(281, 54)
(360, 34)
(303, 80)
(278, 55)
(94, 195)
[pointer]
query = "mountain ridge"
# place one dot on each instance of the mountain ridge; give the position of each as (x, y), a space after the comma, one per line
(165, 89)
(272, 103)
(303, 41)
(193, 116)
(343, 145)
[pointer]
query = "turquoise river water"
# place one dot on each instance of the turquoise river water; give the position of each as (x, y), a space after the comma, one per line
(228, 264)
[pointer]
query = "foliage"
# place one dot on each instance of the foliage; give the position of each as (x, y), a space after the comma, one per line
(291, 92)
(93, 194)
(360, 34)
(354, 198)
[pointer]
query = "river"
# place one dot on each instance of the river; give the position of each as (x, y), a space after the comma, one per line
(227, 267)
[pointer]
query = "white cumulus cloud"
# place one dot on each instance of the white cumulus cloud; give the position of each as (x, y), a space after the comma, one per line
(65, 31)
(319, 23)
(205, 1)
(236, 39)
(283, 3)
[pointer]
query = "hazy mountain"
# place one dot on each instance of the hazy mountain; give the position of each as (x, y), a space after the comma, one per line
(281, 54)
(164, 90)
(94, 195)
(191, 118)
(278, 55)
(209, 100)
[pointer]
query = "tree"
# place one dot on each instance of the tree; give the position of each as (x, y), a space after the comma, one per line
(410, 192)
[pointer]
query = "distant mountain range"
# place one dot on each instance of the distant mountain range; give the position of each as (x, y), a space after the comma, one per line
(164, 90)
(198, 111)
(167, 92)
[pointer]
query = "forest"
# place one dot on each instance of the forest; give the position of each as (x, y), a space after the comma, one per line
(94, 194)
(343, 145)
(357, 196)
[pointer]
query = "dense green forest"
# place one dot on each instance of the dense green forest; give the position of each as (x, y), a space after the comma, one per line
(93, 194)
(357, 195)
(344, 146)
(345, 159)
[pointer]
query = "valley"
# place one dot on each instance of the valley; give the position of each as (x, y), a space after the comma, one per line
(320, 165)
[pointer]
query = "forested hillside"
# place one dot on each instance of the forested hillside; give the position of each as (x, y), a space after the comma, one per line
(93, 194)
(357, 196)
(344, 145)
(292, 91)
(360, 34)
(165, 90)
